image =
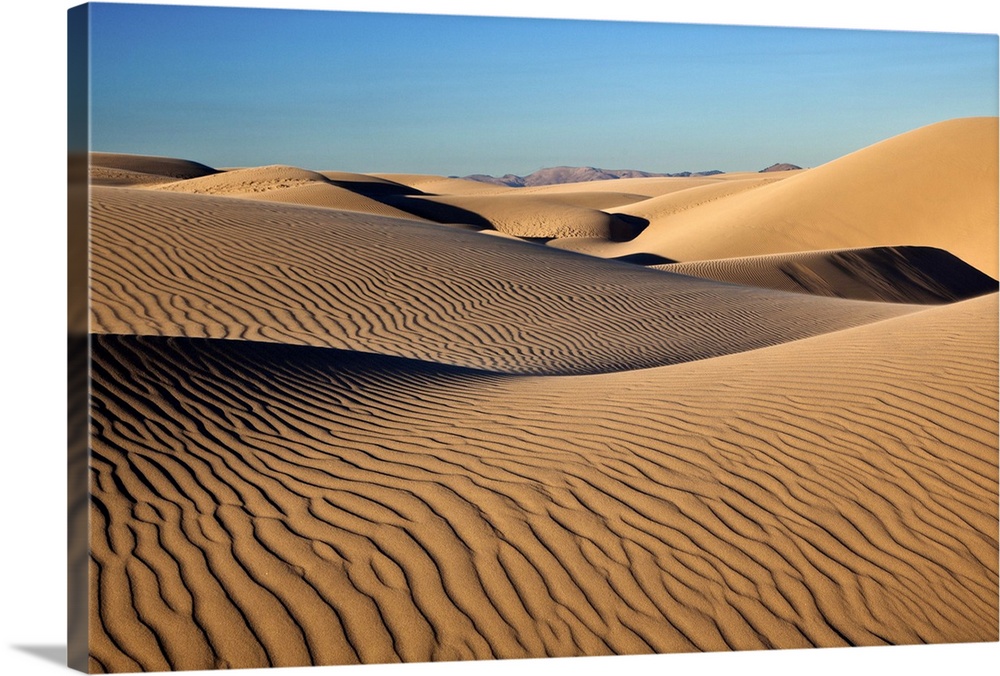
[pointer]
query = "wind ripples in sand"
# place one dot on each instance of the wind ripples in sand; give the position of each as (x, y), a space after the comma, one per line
(287, 505)
(216, 267)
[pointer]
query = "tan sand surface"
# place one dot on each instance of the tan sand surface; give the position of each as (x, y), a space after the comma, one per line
(891, 274)
(325, 431)
(935, 186)
(124, 169)
(282, 505)
(433, 184)
(591, 199)
(654, 186)
(521, 215)
(367, 183)
(167, 263)
(279, 183)
(668, 204)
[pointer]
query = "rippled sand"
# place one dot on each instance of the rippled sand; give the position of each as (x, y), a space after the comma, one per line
(333, 422)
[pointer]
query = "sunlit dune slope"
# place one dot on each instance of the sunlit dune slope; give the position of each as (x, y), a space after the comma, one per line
(272, 505)
(935, 186)
(650, 187)
(890, 274)
(242, 182)
(279, 183)
(166, 263)
(521, 215)
(332, 197)
(591, 199)
(432, 184)
(668, 204)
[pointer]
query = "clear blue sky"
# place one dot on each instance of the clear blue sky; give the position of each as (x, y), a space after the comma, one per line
(458, 95)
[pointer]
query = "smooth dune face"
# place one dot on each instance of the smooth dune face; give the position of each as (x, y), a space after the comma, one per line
(650, 187)
(935, 186)
(327, 430)
(661, 206)
(440, 185)
(589, 199)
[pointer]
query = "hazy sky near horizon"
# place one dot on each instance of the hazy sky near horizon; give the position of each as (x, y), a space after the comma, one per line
(455, 95)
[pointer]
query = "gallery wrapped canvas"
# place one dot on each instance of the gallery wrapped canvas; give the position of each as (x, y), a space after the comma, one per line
(426, 338)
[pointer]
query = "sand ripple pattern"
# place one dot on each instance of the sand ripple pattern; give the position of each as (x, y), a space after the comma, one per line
(258, 504)
(215, 267)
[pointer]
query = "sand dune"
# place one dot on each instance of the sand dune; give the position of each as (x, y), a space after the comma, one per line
(368, 184)
(890, 274)
(590, 199)
(280, 183)
(649, 187)
(329, 507)
(331, 196)
(242, 182)
(206, 266)
(661, 206)
(521, 215)
(645, 187)
(432, 184)
(124, 169)
(935, 186)
(326, 431)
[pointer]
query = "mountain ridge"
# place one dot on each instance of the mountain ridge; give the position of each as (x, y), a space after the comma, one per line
(567, 174)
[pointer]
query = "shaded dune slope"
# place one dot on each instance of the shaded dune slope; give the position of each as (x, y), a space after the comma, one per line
(368, 184)
(207, 266)
(125, 169)
(258, 504)
(889, 274)
(935, 186)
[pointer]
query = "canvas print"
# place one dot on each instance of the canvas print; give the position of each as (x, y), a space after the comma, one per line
(418, 338)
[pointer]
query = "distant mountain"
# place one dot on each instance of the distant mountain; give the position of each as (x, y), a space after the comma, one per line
(553, 175)
(783, 166)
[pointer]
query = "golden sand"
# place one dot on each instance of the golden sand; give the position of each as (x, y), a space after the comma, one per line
(331, 427)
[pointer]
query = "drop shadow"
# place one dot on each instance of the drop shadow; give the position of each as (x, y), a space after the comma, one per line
(49, 653)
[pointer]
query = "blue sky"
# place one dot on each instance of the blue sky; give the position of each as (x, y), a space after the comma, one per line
(457, 95)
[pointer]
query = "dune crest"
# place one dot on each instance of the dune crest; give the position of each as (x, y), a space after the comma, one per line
(124, 169)
(935, 186)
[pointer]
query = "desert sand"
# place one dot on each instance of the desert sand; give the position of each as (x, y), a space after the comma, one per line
(333, 422)
(934, 186)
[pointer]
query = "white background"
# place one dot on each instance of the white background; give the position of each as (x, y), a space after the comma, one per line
(32, 357)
